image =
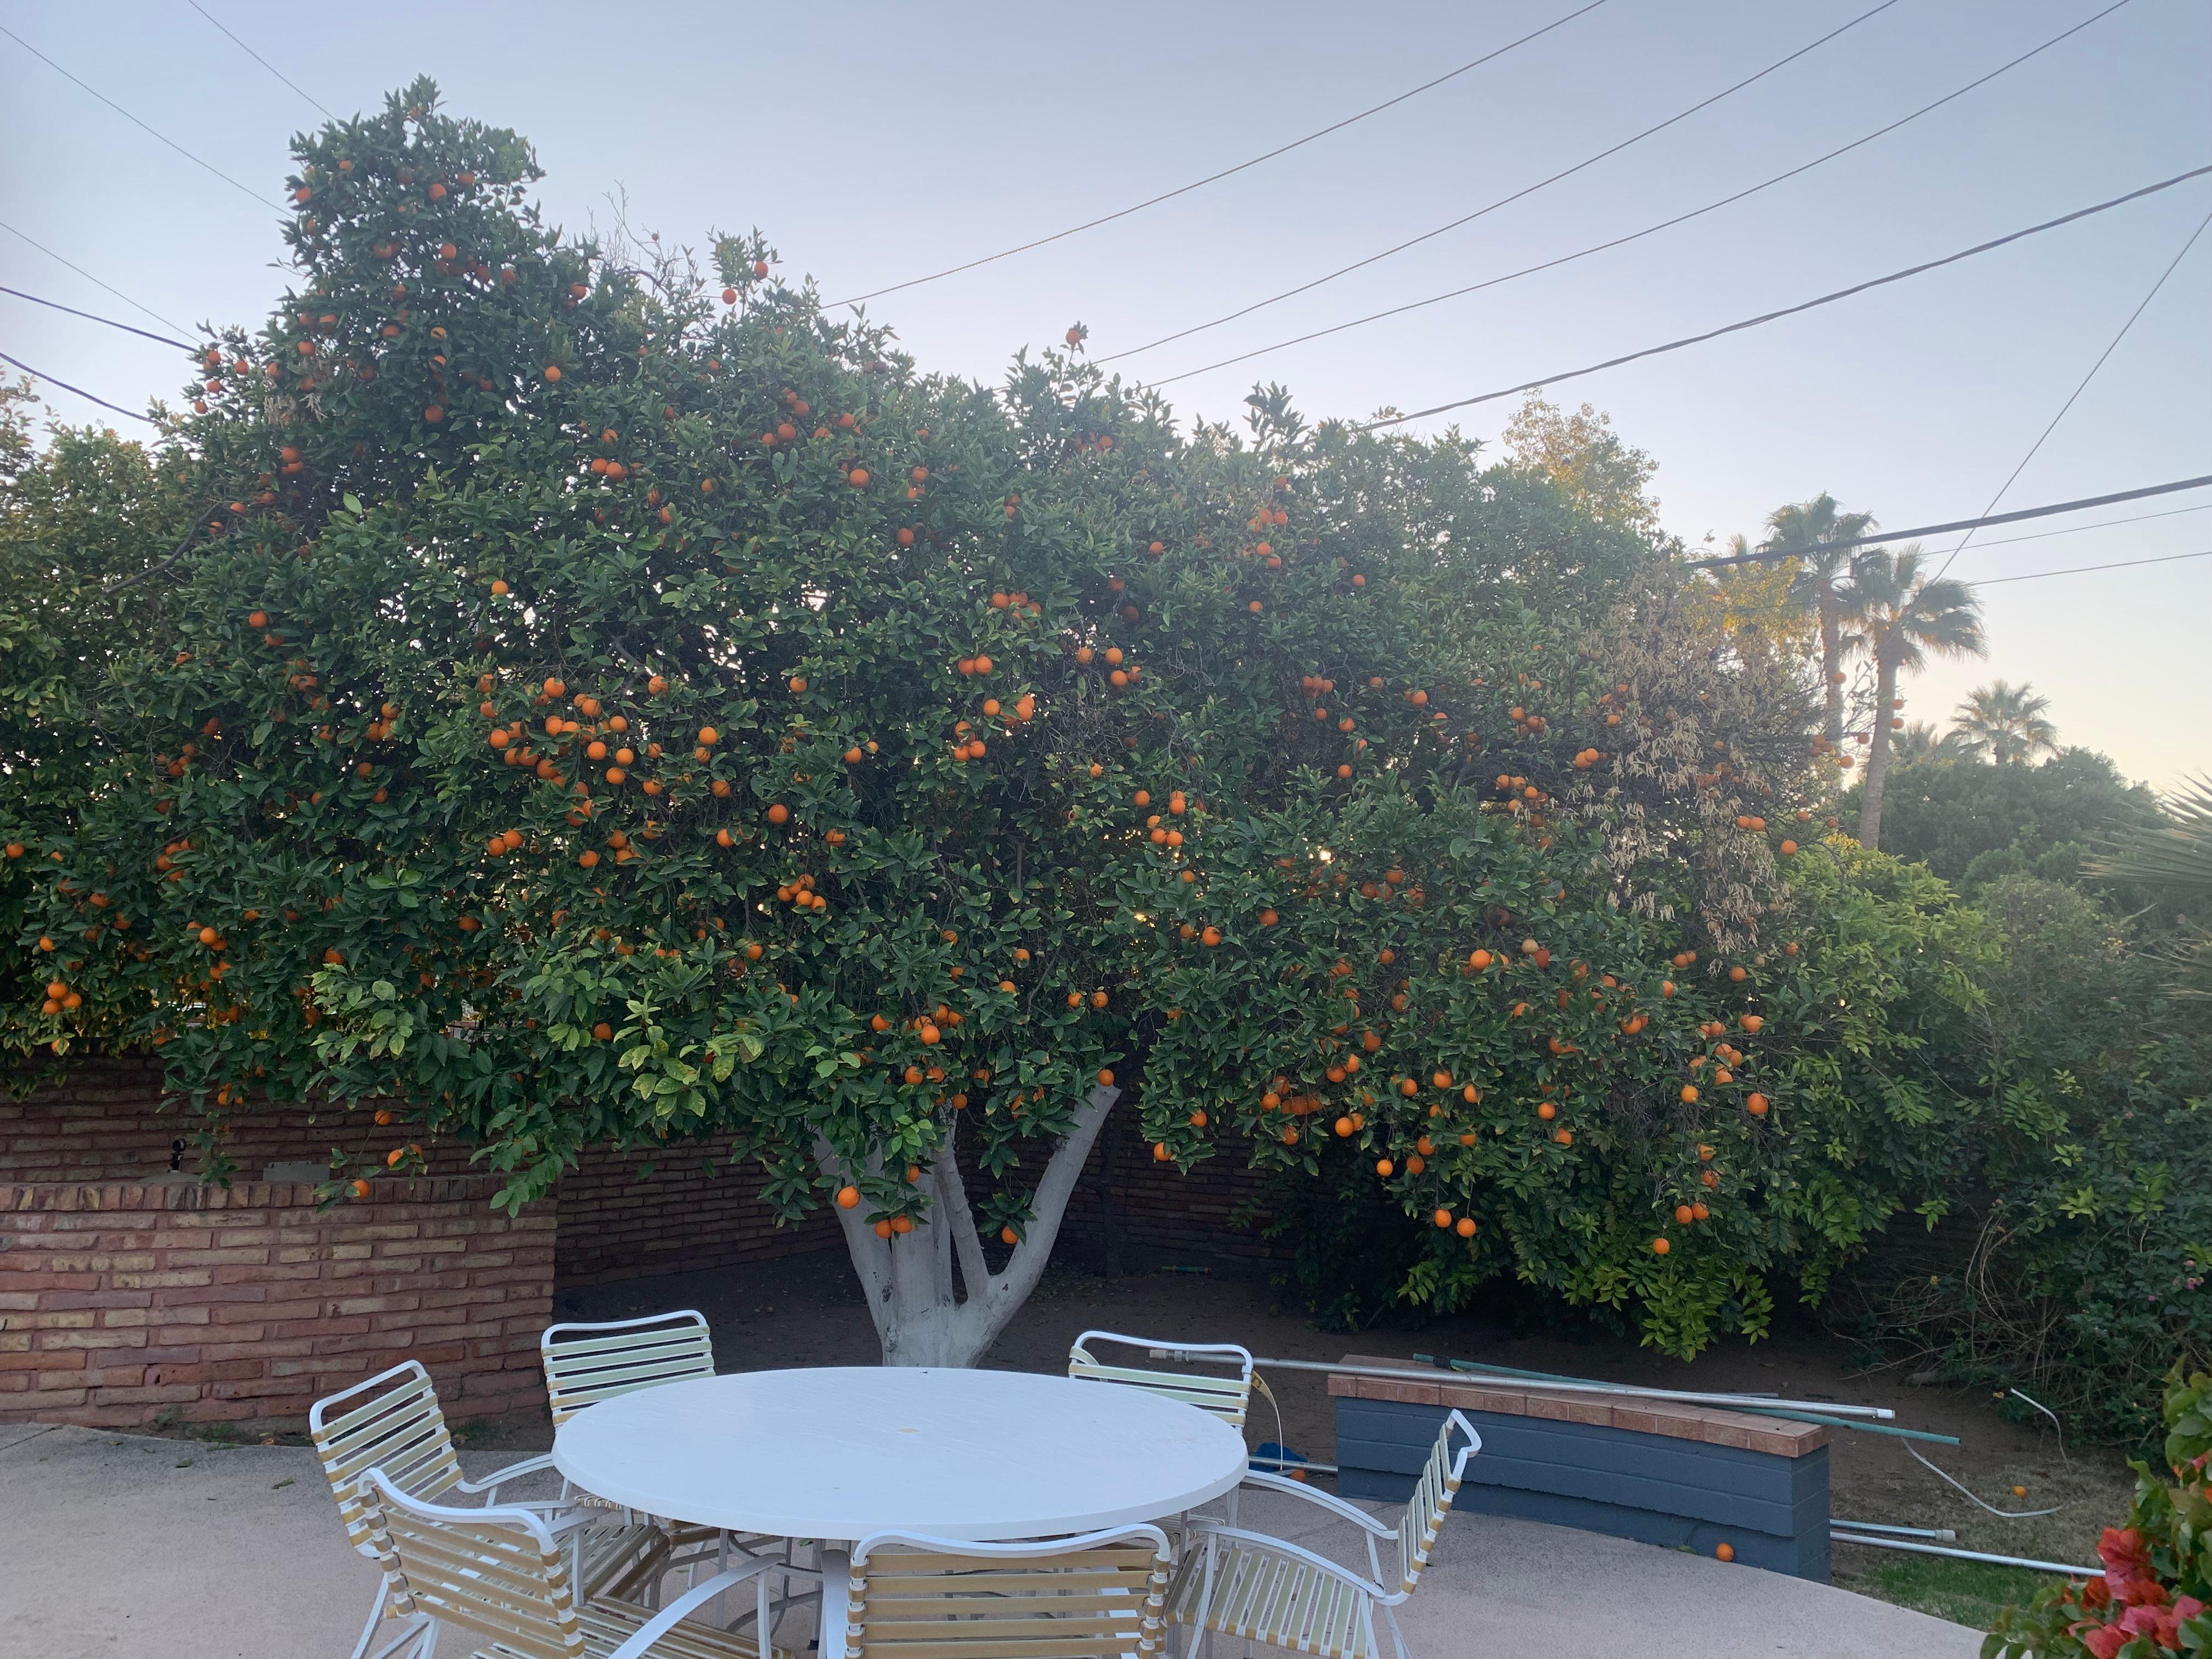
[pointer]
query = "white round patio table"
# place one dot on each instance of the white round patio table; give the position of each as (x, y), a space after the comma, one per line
(837, 1453)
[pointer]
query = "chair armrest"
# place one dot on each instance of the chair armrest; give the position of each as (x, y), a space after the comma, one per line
(1303, 1556)
(640, 1642)
(1329, 1501)
(1261, 1542)
(492, 1483)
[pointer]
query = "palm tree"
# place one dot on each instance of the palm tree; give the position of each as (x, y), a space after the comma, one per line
(2008, 720)
(1818, 587)
(1904, 617)
(2176, 857)
(1920, 742)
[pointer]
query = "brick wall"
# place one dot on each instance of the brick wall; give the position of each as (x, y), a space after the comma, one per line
(125, 1291)
(1159, 1215)
(103, 1121)
(121, 1304)
(693, 1210)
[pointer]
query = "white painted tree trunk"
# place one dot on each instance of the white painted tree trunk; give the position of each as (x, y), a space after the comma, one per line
(922, 1317)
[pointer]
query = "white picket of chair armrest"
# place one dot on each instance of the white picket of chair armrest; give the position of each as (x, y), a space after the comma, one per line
(640, 1642)
(1329, 1501)
(1261, 1541)
(492, 1483)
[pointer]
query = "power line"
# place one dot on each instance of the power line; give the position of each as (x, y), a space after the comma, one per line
(2083, 386)
(1215, 177)
(257, 57)
(2098, 524)
(1766, 555)
(1503, 201)
(94, 317)
(133, 120)
(90, 278)
(80, 391)
(1649, 230)
(2080, 569)
(1791, 311)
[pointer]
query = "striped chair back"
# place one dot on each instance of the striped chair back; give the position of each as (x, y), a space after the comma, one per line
(586, 1363)
(1227, 1396)
(391, 1422)
(1431, 1501)
(495, 1571)
(1096, 1597)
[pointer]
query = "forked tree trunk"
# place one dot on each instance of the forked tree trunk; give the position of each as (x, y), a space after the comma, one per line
(1877, 772)
(922, 1317)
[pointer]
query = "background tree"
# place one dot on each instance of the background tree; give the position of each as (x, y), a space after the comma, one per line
(2009, 720)
(1594, 467)
(1903, 617)
(1921, 742)
(1970, 821)
(1822, 582)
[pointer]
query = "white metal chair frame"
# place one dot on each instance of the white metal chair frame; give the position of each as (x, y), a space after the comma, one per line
(1416, 1534)
(503, 1572)
(1227, 1398)
(947, 1598)
(586, 1363)
(392, 1421)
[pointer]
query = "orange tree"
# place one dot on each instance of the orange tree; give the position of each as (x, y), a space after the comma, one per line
(601, 707)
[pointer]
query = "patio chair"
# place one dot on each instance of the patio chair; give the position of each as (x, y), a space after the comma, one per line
(1098, 1595)
(1263, 1590)
(586, 1363)
(392, 1422)
(1227, 1397)
(503, 1576)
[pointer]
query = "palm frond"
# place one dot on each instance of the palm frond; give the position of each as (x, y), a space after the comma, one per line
(2177, 854)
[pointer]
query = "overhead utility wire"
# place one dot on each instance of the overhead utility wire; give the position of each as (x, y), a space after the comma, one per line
(1791, 311)
(2080, 569)
(2070, 396)
(94, 317)
(1215, 177)
(133, 120)
(257, 57)
(1649, 230)
(80, 391)
(90, 278)
(1503, 201)
(2094, 524)
(1766, 555)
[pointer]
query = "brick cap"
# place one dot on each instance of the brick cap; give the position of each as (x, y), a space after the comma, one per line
(1712, 1426)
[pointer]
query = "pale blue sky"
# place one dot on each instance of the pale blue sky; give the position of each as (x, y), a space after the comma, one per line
(872, 144)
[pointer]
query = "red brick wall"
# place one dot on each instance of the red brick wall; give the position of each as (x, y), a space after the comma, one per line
(121, 1304)
(1160, 1216)
(103, 1121)
(695, 1209)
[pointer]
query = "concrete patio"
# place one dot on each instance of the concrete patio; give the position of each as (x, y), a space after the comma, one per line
(119, 1547)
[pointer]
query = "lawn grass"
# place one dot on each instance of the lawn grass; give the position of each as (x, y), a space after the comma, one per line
(1968, 1593)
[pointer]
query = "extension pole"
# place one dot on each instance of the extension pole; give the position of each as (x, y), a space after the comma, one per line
(1966, 1555)
(1735, 1401)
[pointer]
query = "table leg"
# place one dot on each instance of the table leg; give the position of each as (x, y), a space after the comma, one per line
(836, 1593)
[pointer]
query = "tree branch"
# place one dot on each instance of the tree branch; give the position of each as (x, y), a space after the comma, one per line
(952, 1200)
(1012, 1285)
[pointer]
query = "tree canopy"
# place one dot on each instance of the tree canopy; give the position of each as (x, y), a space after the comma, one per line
(587, 701)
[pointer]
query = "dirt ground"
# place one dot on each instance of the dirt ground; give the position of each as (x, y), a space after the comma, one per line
(808, 1311)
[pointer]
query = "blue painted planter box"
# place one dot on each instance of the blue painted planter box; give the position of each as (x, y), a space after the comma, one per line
(1678, 1476)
